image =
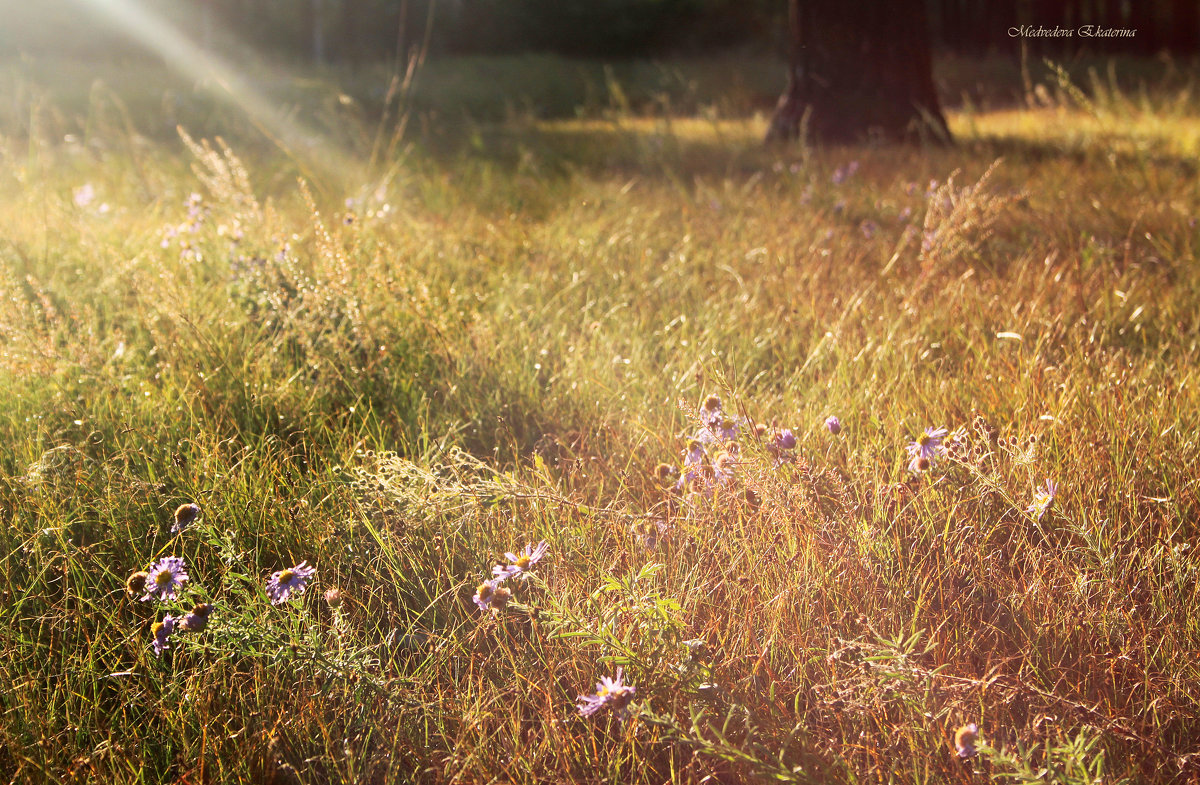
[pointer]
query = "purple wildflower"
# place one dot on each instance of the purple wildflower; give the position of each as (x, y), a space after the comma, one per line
(1042, 499)
(185, 515)
(710, 413)
(521, 562)
(84, 195)
(162, 631)
(651, 533)
(693, 464)
(727, 429)
(196, 619)
(609, 692)
(283, 584)
(833, 424)
(927, 444)
(723, 466)
(165, 579)
(965, 739)
(844, 173)
(490, 594)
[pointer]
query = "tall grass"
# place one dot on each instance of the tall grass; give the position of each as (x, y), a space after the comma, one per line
(402, 373)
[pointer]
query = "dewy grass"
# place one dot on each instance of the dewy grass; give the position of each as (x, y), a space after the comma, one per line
(527, 337)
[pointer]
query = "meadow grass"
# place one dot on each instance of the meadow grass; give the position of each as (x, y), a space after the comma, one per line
(402, 369)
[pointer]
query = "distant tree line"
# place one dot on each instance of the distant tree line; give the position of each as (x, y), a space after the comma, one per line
(977, 26)
(350, 30)
(360, 31)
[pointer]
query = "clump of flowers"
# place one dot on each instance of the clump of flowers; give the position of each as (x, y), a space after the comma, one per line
(611, 693)
(179, 234)
(284, 584)
(965, 739)
(1042, 499)
(521, 563)
(492, 594)
(714, 452)
(165, 579)
(185, 515)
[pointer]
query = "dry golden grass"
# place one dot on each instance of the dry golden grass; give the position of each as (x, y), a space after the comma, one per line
(495, 341)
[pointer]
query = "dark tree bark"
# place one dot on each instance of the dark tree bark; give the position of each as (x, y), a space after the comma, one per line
(1143, 17)
(1185, 27)
(859, 69)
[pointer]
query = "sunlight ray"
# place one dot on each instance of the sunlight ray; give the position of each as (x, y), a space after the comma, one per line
(187, 58)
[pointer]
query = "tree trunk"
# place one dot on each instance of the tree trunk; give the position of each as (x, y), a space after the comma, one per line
(859, 69)
(1185, 27)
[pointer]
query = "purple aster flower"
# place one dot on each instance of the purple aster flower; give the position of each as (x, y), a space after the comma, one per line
(84, 195)
(710, 412)
(727, 429)
(651, 533)
(490, 594)
(693, 463)
(927, 444)
(723, 466)
(162, 631)
(833, 424)
(609, 692)
(919, 464)
(185, 515)
(844, 173)
(785, 439)
(285, 583)
(965, 739)
(197, 619)
(1042, 499)
(521, 562)
(165, 579)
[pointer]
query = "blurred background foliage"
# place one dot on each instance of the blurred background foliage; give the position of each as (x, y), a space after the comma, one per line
(366, 31)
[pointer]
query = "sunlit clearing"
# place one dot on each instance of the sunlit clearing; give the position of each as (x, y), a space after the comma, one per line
(185, 57)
